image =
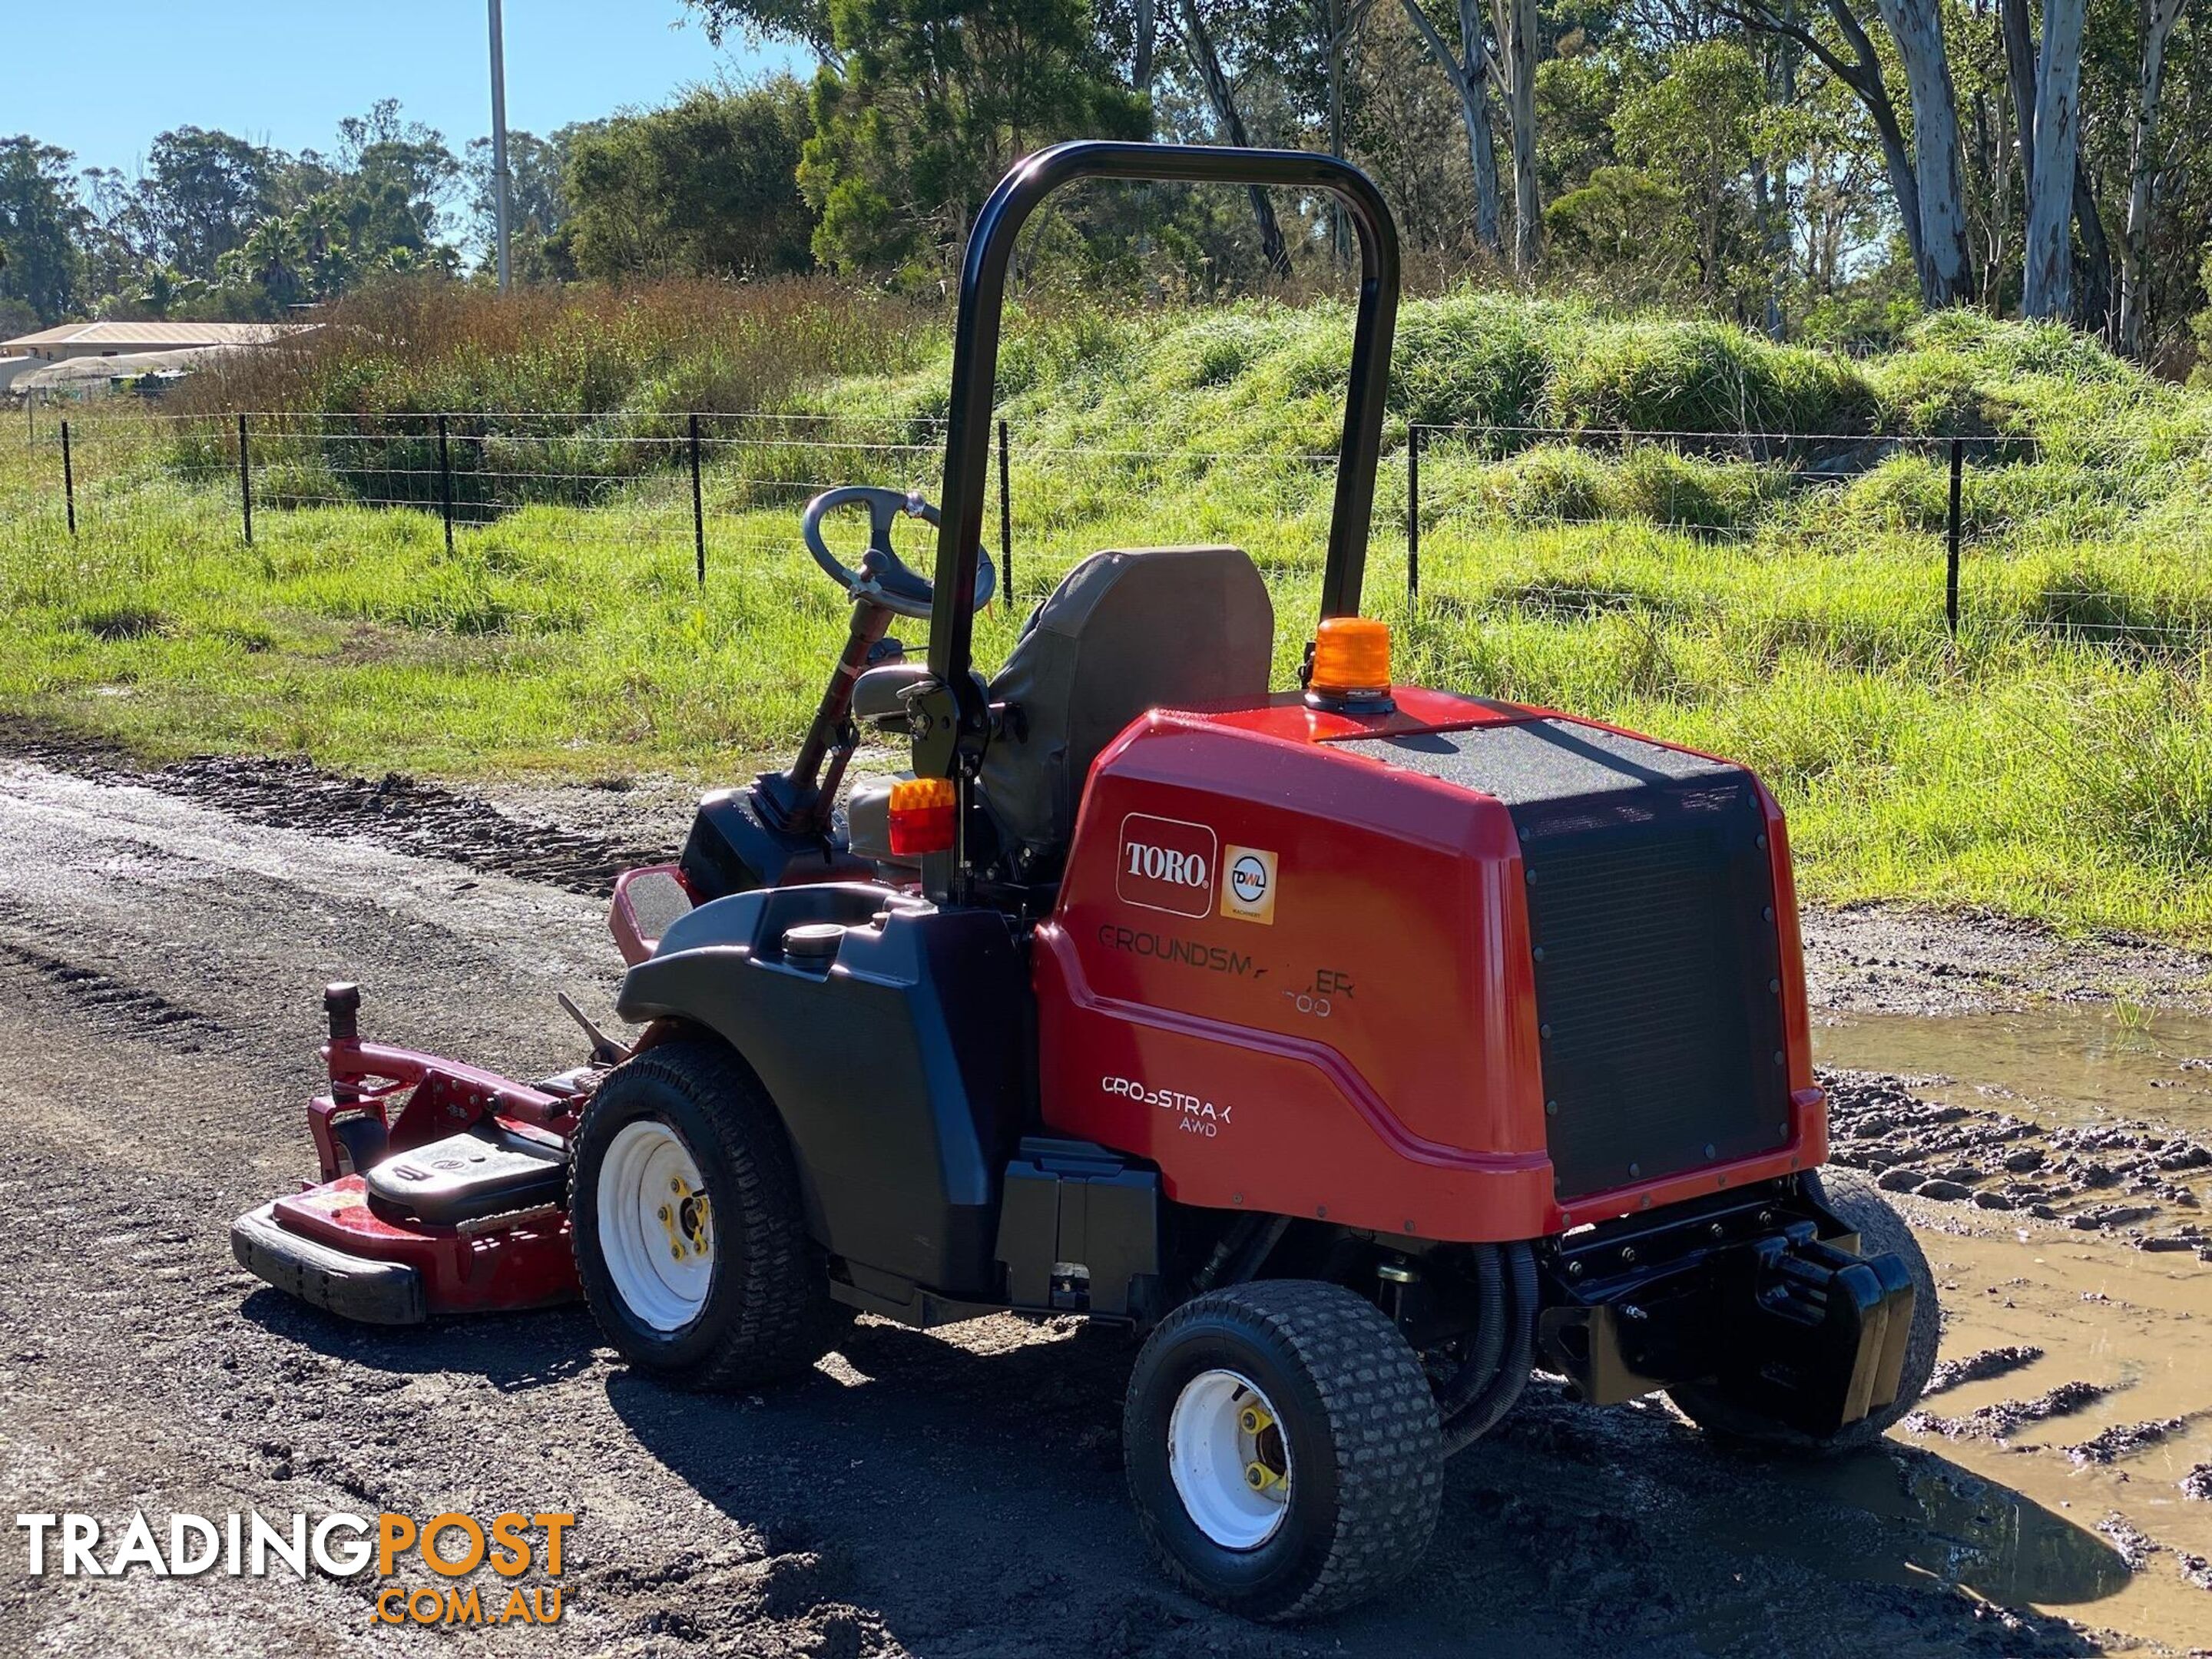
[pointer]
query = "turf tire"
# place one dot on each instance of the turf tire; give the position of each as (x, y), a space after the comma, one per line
(1360, 1421)
(767, 1315)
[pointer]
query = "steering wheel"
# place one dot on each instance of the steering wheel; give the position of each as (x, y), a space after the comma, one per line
(884, 577)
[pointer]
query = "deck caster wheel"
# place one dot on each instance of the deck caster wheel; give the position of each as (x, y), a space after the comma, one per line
(691, 1244)
(1863, 1207)
(1282, 1448)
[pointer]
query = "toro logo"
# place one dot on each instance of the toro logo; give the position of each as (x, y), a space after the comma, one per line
(1167, 864)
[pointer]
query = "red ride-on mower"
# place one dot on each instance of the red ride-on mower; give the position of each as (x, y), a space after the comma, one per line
(1361, 1046)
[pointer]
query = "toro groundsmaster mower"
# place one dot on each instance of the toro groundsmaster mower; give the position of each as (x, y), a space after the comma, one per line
(1361, 1046)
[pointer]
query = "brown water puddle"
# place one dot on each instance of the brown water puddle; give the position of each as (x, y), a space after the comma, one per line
(2020, 1522)
(2103, 1536)
(2139, 1325)
(2062, 1064)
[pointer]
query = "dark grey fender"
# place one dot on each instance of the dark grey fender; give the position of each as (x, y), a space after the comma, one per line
(900, 1065)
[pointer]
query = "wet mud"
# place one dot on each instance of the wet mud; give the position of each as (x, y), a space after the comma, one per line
(581, 851)
(2143, 1182)
(959, 1494)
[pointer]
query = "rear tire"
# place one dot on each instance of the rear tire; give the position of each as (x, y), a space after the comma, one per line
(1310, 1385)
(690, 1243)
(1864, 1208)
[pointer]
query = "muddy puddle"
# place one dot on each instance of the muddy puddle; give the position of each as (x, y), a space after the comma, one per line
(2057, 1165)
(2067, 1063)
(2062, 1481)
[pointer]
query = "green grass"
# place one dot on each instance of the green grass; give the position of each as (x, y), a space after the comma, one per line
(2054, 761)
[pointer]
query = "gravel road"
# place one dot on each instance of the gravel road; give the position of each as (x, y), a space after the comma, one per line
(959, 1494)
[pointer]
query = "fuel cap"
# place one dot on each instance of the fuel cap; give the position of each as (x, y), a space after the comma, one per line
(813, 944)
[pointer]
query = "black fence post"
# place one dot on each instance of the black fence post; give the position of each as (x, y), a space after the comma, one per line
(1413, 516)
(445, 482)
(698, 507)
(68, 478)
(1951, 571)
(245, 479)
(1006, 521)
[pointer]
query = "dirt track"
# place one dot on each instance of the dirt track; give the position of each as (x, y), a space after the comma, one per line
(952, 1494)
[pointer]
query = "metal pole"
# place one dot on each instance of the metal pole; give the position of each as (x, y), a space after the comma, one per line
(1413, 516)
(1951, 573)
(245, 479)
(498, 184)
(68, 478)
(1006, 521)
(445, 482)
(698, 505)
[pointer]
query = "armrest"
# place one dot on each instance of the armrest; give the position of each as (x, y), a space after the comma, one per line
(880, 694)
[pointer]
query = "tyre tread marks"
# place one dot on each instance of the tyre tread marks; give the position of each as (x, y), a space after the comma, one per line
(1382, 1417)
(780, 1321)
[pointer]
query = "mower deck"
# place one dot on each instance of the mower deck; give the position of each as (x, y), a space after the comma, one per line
(328, 1246)
(443, 1190)
(352, 1287)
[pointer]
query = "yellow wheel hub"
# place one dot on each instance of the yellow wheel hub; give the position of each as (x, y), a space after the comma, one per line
(685, 1218)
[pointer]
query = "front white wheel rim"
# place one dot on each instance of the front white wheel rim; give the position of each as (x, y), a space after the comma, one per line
(656, 1229)
(1230, 1460)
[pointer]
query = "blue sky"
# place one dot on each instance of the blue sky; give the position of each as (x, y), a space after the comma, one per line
(284, 71)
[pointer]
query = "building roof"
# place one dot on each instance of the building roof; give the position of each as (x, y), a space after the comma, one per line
(77, 371)
(152, 336)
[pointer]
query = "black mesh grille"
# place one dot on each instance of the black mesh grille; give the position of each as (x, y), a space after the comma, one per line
(1647, 911)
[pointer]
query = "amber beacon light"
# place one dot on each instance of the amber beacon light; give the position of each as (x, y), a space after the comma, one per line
(1351, 670)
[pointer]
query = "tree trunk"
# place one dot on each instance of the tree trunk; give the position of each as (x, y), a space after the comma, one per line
(1770, 188)
(1474, 116)
(1333, 21)
(1862, 73)
(1467, 69)
(1514, 23)
(1141, 69)
(2157, 18)
(1946, 274)
(2092, 305)
(1221, 96)
(2018, 28)
(2047, 277)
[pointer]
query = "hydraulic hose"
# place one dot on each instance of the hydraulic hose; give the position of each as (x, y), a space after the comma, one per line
(1481, 1363)
(1238, 1232)
(1505, 1386)
(1254, 1254)
(1242, 1251)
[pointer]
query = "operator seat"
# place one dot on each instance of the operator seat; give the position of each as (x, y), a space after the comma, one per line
(1126, 631)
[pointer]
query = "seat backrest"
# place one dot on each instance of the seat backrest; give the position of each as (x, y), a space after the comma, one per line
(1124, 633)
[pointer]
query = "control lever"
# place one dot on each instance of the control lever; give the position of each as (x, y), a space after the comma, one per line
(605, 1051)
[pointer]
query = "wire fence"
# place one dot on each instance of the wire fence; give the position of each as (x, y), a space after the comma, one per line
(2099, 541)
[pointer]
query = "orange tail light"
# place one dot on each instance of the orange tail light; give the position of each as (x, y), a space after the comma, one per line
(921, 817)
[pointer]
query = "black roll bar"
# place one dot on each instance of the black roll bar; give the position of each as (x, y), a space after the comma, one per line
(975, 364)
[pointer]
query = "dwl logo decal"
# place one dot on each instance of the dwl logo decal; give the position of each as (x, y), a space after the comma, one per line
(1250, 893)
